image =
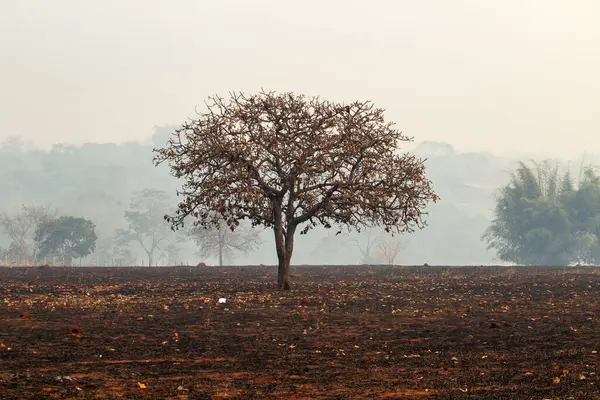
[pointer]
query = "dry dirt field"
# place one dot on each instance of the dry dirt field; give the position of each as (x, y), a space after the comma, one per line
(342, 333)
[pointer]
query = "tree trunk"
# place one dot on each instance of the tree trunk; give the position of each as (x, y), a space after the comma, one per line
(284, 242)
(150, 259)
(220, 254)
(283, 274)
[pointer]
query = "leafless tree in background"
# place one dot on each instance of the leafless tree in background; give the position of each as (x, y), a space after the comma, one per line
(389, 247)
(222, 242)
(146, 223)
(170, 254)
(21, 228)
(113, 251)
(365, 243)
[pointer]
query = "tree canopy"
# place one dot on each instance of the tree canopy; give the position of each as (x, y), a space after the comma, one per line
(67, 237)
(543, 218)
(284, 160)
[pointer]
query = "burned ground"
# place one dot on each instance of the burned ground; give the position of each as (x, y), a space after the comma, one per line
(343, 332)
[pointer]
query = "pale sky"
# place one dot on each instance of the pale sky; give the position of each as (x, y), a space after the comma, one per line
(505, 75)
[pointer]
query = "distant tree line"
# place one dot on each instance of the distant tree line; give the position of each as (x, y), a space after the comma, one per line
(97, 180)
(544, 217)
(38, 234)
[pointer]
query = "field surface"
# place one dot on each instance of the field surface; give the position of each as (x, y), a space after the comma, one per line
(341, 333)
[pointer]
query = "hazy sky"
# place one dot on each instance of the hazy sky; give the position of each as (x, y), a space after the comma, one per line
(483, 75)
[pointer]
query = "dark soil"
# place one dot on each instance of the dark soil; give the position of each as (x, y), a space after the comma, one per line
(342, 333)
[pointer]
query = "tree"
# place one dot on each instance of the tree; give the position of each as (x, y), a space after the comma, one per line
(584, 204)
(69, 237)
(366, 246)
(375, 246)
(365, 242)
(21, 228)
(170, 254)
(112, 251)
(539, 220)
(146, 224)
(223, 242)
(283, 161)
(389, 248)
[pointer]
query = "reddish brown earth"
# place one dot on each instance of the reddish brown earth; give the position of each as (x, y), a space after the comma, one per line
(342, 333)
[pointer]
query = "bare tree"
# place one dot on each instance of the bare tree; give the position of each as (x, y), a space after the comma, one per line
(21, 228)
(389, 248)
(365, 242)
(170, 253)
(223, 242)
(113, 251)
(147, 226)
(283, 161)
